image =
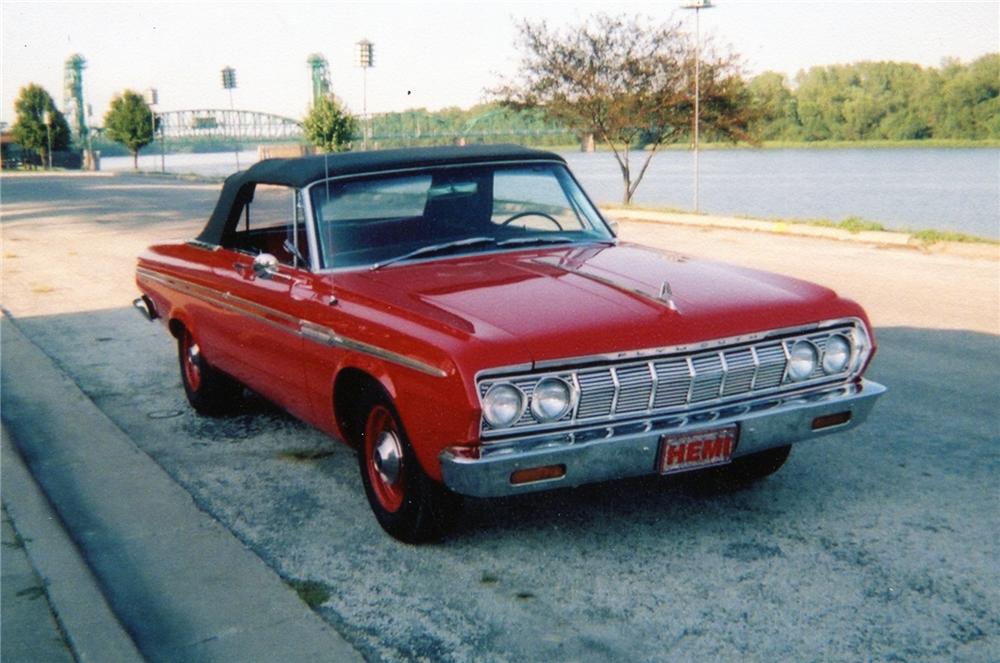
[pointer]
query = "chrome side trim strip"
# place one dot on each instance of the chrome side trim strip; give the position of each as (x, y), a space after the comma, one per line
(327, 336)
(287, 323)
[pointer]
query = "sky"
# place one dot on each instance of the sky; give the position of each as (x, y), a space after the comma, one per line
(427, 54)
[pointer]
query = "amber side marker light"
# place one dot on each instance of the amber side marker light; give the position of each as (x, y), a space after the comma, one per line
(534, 474)
(830, 420)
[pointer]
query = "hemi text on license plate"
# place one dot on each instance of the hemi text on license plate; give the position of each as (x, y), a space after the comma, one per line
(689, 451)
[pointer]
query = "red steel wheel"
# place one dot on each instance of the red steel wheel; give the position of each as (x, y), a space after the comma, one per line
(384, 458)
(190, 361)
(209, 390)
(407, 503)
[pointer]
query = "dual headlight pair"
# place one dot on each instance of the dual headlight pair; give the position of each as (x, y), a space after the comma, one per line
(504, 403)
(804, 356)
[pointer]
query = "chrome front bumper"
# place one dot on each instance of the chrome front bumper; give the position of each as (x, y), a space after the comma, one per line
(619, 450)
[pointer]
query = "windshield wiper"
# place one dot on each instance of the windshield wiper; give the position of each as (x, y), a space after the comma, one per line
(517, 241)
(525, 241)
(435, 248)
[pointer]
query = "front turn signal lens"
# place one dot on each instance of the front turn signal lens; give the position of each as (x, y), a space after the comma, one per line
(544, 473)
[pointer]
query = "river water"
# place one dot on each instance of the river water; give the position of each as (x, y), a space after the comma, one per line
(912, 188)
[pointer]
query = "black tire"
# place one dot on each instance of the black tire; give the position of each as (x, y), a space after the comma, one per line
(755, 467)
(209, 390)
(408, 504)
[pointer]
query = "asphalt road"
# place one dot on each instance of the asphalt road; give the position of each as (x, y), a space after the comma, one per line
(876, 544)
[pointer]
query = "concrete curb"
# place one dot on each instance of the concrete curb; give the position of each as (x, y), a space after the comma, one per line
(181, 584)
(880, 238)
(93, 631)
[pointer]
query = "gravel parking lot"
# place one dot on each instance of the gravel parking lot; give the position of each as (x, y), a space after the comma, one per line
(876, 544)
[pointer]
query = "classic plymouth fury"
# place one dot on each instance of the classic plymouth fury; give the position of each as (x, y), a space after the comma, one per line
(468, 321)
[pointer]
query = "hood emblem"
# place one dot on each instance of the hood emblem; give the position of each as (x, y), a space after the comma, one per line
(667, 296)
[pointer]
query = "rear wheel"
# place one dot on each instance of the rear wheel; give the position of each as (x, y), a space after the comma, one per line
(407, 503)
(209, 390)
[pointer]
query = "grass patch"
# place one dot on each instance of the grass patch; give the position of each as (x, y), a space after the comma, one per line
(488, 578)
(934, 236)
(313, 592)
(852, 224)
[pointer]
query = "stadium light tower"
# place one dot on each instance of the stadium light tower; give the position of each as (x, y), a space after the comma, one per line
(229, 83)
(366, 60)
(697, 6)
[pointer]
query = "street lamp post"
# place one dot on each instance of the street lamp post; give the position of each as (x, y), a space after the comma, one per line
(48, 135)
(229, 83)
(366, 60)
(697, 6)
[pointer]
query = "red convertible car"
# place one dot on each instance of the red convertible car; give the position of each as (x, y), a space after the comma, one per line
(468, 321)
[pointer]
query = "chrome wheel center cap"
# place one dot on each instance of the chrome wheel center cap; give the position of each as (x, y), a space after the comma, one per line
(388, 457)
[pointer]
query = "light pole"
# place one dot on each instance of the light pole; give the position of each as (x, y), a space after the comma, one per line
(366, 60)
(48, 135)
(229, 83)
(697, 6)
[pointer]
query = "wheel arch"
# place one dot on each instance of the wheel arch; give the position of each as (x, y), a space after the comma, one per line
(352, 388)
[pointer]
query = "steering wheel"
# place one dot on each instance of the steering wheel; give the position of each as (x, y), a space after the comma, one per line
(545, 216)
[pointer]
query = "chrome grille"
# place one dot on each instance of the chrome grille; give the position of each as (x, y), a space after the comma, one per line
(676, 381)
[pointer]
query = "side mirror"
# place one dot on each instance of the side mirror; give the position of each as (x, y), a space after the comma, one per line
(614, 227)
(265, 266)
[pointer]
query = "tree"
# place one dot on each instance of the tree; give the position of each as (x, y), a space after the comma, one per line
(628, 83)
(29, 128)
(778, 117)
(129, 121)
(328, 126)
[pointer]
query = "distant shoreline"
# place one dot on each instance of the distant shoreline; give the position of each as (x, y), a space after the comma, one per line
(109, 150)
(927, 143)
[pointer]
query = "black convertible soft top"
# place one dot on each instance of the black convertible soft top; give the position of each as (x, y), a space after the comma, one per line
(302, 171)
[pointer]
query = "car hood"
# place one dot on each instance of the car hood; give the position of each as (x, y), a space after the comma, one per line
(595, 299)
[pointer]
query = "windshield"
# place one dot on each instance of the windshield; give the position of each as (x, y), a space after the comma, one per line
(384, 219)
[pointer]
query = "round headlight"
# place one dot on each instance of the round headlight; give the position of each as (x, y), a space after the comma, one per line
(801, 360)
(837, 354)
(551, 399)
(503, 404)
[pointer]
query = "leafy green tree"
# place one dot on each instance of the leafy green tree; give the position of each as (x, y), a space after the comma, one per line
(628, 83)
(778, 117)
(970, 95)
(129, 121)
(29, 129)
(329, 127)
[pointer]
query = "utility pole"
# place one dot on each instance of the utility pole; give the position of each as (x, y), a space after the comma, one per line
(697, 6)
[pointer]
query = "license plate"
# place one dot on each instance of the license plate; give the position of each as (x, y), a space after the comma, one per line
(690, 451)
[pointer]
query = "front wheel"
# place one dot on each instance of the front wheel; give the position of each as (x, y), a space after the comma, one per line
(407, 503)
(209, 390)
